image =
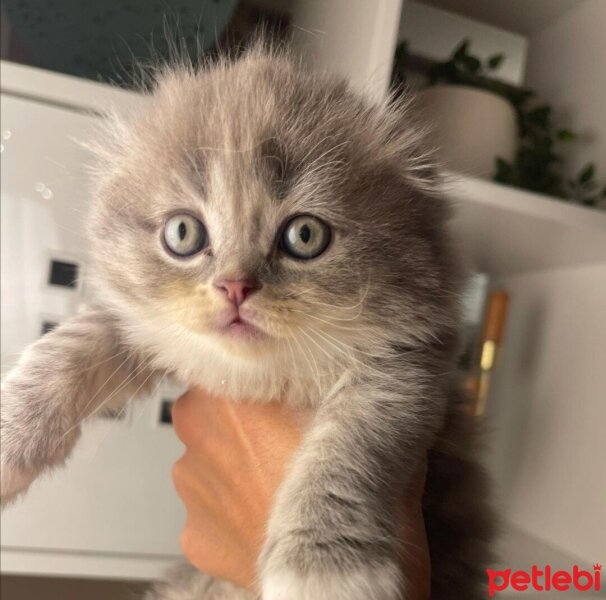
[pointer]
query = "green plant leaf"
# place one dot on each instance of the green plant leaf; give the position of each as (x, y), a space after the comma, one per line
(565, 135)
(519, 96)
(505, 172)
(495, 61)
(539, 116)
(472, 63)
(461, 50)
(586, 174)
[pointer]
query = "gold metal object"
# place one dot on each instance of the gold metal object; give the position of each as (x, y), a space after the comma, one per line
(489, 350)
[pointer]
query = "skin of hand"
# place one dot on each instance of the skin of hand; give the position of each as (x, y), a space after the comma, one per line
(236, 455)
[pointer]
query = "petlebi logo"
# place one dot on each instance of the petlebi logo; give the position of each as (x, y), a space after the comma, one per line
(545, 579)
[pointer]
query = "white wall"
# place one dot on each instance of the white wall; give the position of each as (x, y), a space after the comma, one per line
(567, 67)
(353, 38)
(547, 411)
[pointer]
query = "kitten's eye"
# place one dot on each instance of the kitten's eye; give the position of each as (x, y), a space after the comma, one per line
(184, 235)
(305, 237)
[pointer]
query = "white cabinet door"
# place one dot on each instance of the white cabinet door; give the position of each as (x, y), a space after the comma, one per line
(115, 497)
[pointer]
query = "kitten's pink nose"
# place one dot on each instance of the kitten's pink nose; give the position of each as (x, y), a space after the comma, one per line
(237, 290)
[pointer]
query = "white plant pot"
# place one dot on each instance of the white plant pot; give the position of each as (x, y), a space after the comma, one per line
(470, 127)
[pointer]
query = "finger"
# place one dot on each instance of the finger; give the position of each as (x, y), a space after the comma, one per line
(184, 412)
(221, 486)
(199, 416)
(197, 488)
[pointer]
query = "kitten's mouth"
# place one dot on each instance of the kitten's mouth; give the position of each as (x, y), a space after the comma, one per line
(241, 328)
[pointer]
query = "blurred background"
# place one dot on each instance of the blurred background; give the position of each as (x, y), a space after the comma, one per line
(514, 95)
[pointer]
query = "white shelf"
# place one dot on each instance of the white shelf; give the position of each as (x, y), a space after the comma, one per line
(505, 230)
(96, 565)
(66, 91)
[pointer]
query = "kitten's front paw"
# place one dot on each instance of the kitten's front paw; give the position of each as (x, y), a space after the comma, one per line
(34, 437)
(365, 582)
(314, 566)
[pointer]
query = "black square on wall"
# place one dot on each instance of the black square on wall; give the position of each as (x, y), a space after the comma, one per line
(64, 274)
(166, 411)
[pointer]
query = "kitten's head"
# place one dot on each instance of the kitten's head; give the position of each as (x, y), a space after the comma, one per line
(260, 215)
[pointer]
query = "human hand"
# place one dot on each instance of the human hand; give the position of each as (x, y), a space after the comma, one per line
(236, 457)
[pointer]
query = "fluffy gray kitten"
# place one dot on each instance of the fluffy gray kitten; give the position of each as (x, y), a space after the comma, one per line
(264, 232)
